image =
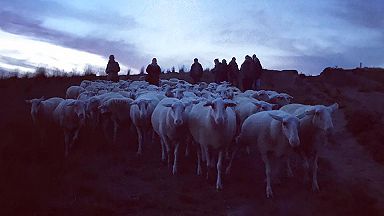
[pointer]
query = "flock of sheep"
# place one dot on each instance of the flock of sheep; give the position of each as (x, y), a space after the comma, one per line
(215, 119)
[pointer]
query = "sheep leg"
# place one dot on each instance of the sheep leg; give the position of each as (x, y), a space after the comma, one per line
(188, 140)
(168, 148)
(207, 158)
(315, 185)
(175, 159)
(66, 143)
(140, 137)
(75, 136)
(219, 183)
(268, 189)
(233, 155)
(198, 153)
(289, 168)
(115, 128)
(162, 149)
(203, 156)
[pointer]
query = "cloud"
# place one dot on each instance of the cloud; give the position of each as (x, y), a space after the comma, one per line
(125, 52)
(367, 14)
(17, 62)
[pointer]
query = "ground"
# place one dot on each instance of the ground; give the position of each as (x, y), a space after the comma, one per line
(106, 179)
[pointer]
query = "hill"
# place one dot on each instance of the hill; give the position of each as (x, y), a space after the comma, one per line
(98, 179)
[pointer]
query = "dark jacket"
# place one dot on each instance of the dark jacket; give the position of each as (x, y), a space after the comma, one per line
(221, 72)
(233, 73)
(196, 71)
(247, 70)
(112, 67)
(258, 68)
(153, 76)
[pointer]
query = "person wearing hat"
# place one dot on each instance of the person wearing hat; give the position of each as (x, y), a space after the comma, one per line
(196, 71)
(112, 69)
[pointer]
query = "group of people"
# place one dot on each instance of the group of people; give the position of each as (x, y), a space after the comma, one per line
(247, 77)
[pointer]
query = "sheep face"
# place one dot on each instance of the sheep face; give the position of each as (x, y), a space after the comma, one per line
(35, 107)
(177, 112)
(143, 106)
(178, 93)
(280, 100)
(79, 110)
(322, 118)
(290, 127)
(219, 107)
(263, 106)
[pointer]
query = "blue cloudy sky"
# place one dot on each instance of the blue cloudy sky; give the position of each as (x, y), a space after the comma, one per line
(285, 34)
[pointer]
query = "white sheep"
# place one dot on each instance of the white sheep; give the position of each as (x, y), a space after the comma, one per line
(42, 114)
(119, 109)
(141, 112)
(273, 132)
(313, 130)
(73, 92)
(169, 121)
(212, 125)
(70, 116)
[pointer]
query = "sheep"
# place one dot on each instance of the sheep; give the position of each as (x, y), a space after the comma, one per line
(73, 92)
(313, 129)
(245, 107)
(140, 113)
(281, 99)
(212, 125)
(169, 121)
(70, 116)
(273, 132)
(42, 113)
(119, 109)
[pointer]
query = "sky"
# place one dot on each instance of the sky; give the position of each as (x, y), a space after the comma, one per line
(303, 35)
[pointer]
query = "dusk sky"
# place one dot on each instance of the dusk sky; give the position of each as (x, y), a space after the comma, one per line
(287, 34)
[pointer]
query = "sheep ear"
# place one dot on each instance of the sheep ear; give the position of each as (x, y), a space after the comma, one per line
(310, 112)
(230, 104)
(208, 103)
(167, 105)
(276, 117)
(28, 101)
(71, 103)
(302, 115)
(275, 106)
(256, 103)
(333, 107)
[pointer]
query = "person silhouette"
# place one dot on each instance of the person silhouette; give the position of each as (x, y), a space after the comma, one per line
(233, 74)
(112, 69)
(258, 71)
(153, 71)
(247, 71)
(196, 71)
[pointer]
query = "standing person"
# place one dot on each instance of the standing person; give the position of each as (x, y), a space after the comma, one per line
(153, 71)
(196, 71)
(216, 70)
(224, 70)
(233, 74)
(112, 69)
(258, 71)
(247, 71)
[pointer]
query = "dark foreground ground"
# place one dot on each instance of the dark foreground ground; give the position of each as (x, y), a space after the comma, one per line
(103, 179)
